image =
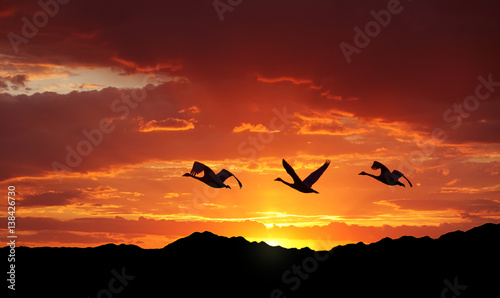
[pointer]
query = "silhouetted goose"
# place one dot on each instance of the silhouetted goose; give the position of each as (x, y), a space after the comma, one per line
(209, 177)
(386, 176)
(298, 184)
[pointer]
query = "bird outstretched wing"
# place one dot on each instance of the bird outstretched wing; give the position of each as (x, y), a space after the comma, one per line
(291, 172)
(198, 167)
(376, 165)
(224, 174)
(397, 174)
(314, 176)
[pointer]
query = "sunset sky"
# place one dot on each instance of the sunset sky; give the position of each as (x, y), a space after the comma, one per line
(104, 105)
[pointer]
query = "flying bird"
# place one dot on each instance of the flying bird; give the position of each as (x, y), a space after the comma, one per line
(209, 177)
(298, 184)
(386, 176)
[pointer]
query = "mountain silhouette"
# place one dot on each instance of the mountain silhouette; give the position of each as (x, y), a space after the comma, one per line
(460, 264)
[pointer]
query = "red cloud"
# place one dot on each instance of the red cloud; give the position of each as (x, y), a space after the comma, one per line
(51, 198)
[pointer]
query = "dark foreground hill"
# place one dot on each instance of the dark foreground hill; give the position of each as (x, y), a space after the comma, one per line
(458, 264)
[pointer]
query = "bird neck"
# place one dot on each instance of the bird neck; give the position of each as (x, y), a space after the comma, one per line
(190, 175)
(289, 184)
(373, 176)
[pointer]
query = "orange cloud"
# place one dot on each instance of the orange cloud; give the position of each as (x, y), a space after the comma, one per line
(169, 124)
(329, 95)
(86, 85)
(283, 79)
(471, 190)
(191, 109)
(329, 123)
(250, 127)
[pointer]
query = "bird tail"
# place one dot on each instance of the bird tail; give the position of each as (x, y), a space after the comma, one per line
(408, 181)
